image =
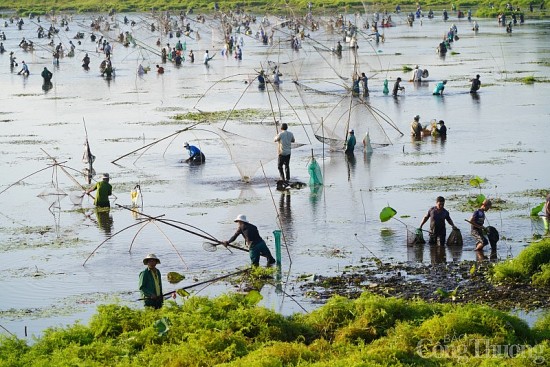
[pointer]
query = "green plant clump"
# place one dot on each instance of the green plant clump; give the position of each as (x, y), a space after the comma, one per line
(532, 264)
(232, 330)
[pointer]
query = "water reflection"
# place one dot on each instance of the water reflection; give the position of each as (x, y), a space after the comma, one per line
(351, 163)
(104, 220)
(47, 86)
(438, 255)
(285, 213)
(415, 253)
(315, 194)
(455, 251)
(481, 256)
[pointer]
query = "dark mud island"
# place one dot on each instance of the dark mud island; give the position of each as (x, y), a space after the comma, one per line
(274, 184)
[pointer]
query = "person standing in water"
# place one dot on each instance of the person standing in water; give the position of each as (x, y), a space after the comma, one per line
(437, 216)
(256, 245)
(150, 282)
(104, 190)
(476, 84)
(285, 139)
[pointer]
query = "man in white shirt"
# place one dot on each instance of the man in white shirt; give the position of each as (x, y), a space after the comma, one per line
(416, 74)
(285, 138)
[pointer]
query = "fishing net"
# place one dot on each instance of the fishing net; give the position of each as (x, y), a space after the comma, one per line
(326, 86)
(332, 114)
(248, 152)
(87, 156)
(315, 175)
(493, 236)
(76, 197)
(209, 246)
(455, 238)
(415, 238)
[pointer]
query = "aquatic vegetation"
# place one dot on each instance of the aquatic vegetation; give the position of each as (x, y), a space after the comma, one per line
(128, 186)
(534, 193)
(232, 330)
(532, 264)
(469, 203)
(436, 183)
(217, 203)
(417, 164)
(31, 142)
(406, 68)
(245, 114)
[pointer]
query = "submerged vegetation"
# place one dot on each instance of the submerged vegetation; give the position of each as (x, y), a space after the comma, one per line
(232, 330)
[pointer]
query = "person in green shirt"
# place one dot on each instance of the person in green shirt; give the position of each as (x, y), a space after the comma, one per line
(150, 283)
(104, 189)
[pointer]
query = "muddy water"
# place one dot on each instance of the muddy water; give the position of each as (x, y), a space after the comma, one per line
(499, 135)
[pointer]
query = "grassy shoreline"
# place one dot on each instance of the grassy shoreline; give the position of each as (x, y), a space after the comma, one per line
(295, 7)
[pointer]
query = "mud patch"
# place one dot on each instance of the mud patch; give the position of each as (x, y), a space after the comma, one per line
(463, 282)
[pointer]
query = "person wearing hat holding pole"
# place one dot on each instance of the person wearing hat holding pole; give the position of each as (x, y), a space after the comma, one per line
(195, 155)
(350, 143)
(150, 282)
(256, 245)
(104, 189)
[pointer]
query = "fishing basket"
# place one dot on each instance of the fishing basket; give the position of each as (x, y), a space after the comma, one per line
(455, 238)
(415, 237)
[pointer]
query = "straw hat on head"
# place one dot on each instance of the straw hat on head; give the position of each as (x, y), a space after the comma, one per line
(149, 257)
(241, 218)
(351, 131)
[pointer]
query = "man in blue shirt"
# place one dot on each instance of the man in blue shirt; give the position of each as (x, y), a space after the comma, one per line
(195, 155)
(477, 220)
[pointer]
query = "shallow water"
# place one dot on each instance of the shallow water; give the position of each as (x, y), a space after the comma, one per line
(499, 136)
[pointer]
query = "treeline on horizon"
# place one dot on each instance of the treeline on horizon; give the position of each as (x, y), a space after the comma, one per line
(484, 8)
